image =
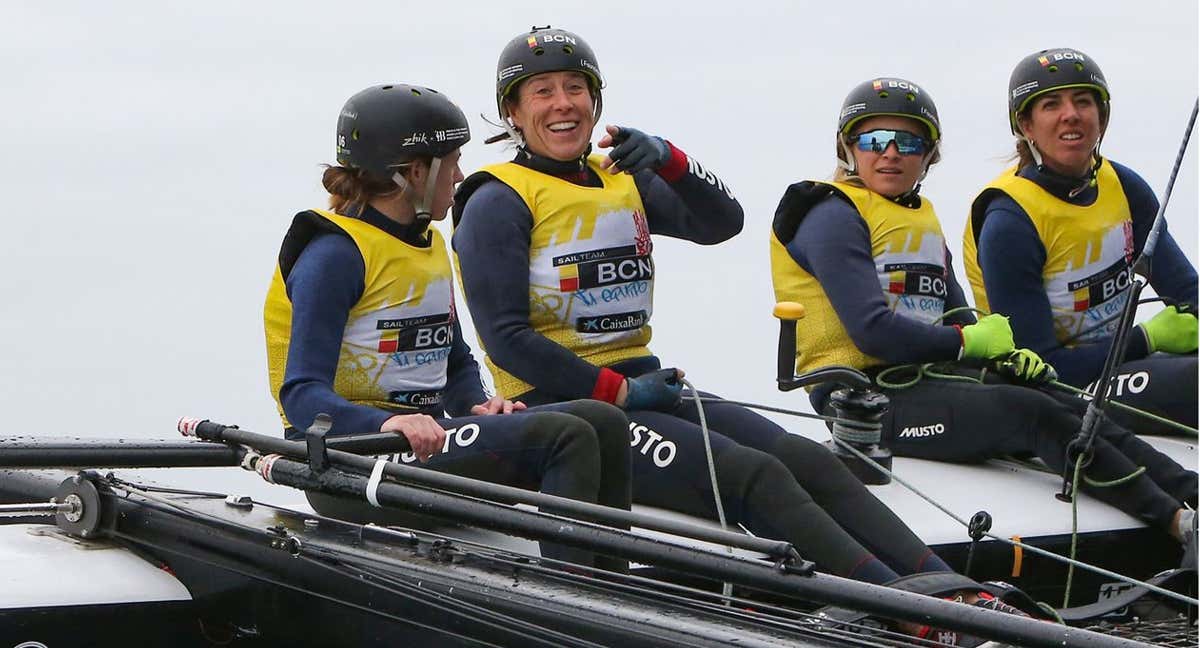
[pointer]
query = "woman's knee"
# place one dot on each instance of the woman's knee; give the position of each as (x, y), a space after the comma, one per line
(608, 420)
(752, 472)
(561, 430)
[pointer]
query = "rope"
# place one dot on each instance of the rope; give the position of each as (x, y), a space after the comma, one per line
(1115, 482)
(922, 370)
(726, 587)
(1071, 389)
(1030, 548)
(1074, 528)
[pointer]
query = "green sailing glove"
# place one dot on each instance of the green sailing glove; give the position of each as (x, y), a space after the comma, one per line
(1026, 366)
(990, 338)
(1171, 331)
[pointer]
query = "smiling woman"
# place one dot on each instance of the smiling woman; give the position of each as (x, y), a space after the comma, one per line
(555, 251)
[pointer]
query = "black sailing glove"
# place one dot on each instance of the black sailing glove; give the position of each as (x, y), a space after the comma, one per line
(635, 151)
(657, 391)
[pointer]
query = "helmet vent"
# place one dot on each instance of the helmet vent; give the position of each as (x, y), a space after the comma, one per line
(415, 91)
(568, 49)
(386, 87)
(911, 97)
(354, 134)
(1078, 66)
(1053, 68)
(538, 51)
(883, 95)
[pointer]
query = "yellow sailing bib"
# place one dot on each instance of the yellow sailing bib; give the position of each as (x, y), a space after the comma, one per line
(1089, 251)
(398, 336)
(910, 261)
(591, 276)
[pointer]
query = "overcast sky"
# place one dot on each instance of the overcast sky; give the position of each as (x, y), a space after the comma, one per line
(155, 152)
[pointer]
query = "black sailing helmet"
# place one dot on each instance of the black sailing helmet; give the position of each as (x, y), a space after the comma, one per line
(887, 96)
(386, 126)
(540, 50)
(1053, 69)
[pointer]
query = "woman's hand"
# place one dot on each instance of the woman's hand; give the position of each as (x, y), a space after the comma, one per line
(989, 338)
(426, 437)
(657, 390)
(632, 150)
(497, 405)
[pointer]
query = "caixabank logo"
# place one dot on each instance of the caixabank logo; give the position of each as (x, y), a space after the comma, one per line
(612, 322)
(604, 267)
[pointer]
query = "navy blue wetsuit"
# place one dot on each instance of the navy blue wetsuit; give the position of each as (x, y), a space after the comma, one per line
(1012, 256)
(576, 449)
(777, 484)
(958, 421)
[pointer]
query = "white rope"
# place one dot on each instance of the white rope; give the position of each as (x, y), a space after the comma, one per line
(726, 588)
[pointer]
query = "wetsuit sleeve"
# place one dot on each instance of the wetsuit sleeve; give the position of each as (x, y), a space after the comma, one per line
(684, 200)
(1172, 275)
(463, 387)
(1012, 258)
(324, 284)
(955, 298)
(492, 244)
(834, 245)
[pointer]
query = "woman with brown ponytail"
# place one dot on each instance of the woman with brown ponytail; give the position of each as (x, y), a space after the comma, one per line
(361, 324)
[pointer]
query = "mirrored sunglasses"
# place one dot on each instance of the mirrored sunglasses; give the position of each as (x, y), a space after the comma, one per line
(877, 141)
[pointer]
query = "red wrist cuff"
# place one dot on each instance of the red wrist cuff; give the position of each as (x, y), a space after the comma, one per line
(675, 167)
(608, 384)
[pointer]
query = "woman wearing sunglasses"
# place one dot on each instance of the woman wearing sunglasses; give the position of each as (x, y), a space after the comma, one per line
(1052, 241)
(555, 255)
(361, 325)
(866, 255)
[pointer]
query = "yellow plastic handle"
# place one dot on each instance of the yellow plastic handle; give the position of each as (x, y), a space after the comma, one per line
(789, 310)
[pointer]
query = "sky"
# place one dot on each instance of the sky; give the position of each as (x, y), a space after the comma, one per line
(155, 153)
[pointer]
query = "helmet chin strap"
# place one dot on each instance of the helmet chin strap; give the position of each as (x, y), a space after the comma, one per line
(846, 160)
(1085, 182)
(1033, 151)
(421, 205)
(513, 134)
